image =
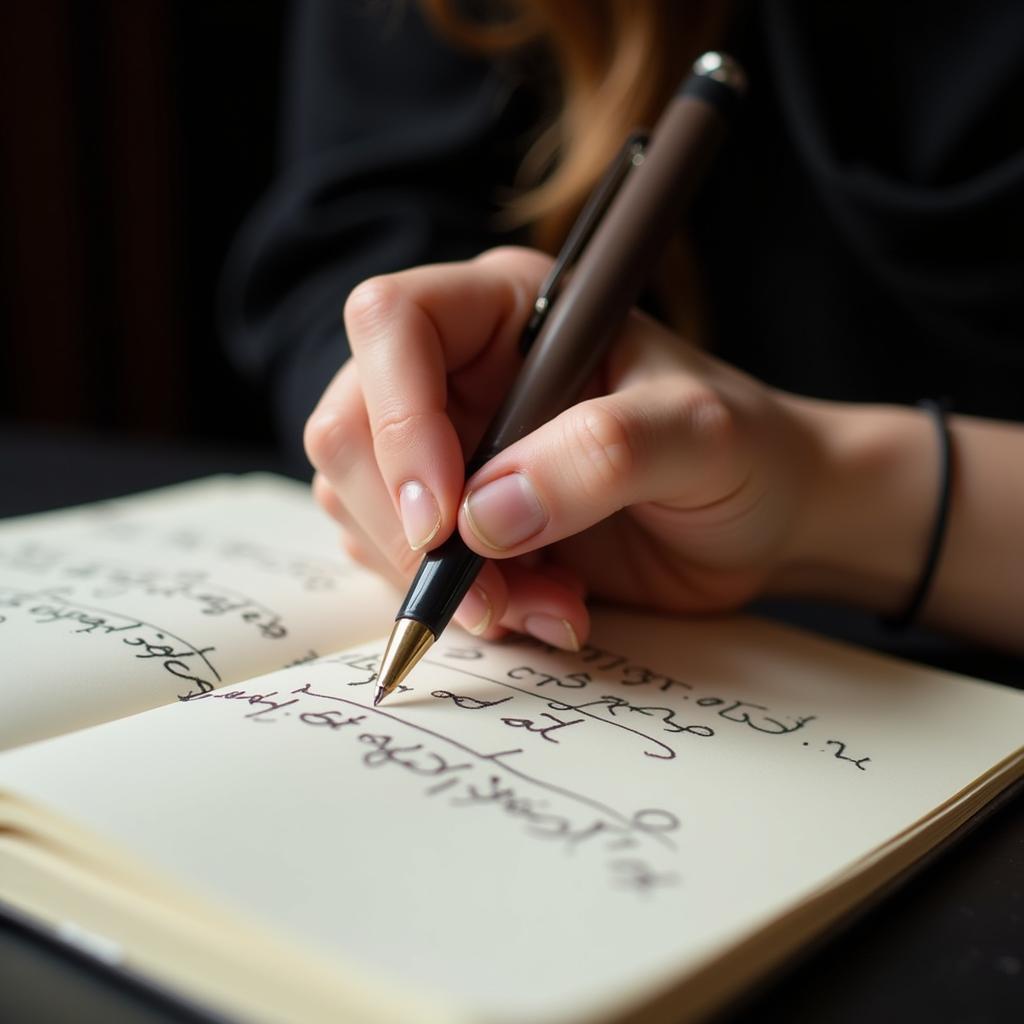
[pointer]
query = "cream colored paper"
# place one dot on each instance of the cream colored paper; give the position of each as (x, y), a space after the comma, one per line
(533, 835)
(112, 608)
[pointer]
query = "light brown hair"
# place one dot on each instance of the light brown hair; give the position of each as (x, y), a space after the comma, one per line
(616, 64)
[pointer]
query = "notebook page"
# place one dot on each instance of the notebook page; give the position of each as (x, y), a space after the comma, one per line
(539, 835)
(112, 608)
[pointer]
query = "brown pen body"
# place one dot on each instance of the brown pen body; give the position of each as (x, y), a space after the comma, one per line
(589, 312)
(611, 272)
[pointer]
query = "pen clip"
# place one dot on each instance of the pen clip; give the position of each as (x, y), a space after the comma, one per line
(630, 156)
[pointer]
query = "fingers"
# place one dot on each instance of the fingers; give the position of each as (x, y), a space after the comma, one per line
(547, 604)
(410, 331)
(341, 449)
(670, 441)
(546, 601)
(483, 608)
(352, 537)
(436, 347)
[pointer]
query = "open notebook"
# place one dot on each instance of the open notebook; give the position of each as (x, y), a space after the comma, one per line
(197, 788)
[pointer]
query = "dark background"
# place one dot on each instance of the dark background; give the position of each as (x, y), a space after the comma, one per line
(135, 136)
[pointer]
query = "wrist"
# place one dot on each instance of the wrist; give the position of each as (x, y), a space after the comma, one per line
(868, 507)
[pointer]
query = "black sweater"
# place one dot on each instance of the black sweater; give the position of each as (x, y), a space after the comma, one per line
(861, 236)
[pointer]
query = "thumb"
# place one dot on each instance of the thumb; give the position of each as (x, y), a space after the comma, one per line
(672, 441)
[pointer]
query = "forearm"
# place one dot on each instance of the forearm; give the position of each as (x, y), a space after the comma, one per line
(980, 581)
(871, 508)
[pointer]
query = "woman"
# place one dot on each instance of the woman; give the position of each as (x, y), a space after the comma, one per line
(858, 242)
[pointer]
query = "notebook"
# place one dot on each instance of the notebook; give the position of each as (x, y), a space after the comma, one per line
(196, 789)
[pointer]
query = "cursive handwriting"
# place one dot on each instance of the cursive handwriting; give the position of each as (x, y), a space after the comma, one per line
(141, 640)
(462, 778)
(102, 579)
(611, 708)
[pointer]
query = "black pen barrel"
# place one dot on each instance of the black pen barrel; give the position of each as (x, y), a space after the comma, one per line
(441, 582)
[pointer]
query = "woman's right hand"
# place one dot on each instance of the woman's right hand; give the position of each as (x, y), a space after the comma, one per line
(677, 483)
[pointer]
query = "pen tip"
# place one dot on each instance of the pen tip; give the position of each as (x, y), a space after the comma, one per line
(408, 643)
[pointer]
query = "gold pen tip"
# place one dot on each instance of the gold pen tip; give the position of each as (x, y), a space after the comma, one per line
(409, 641)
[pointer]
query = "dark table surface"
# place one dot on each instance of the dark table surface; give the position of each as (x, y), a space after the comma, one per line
(947, 945)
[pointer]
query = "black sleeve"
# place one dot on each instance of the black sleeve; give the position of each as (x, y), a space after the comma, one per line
(394, 147)
(860, 237)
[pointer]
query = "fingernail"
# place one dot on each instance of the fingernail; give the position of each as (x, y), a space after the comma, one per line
(557, 632)
(475, 612)
(505, 512)
(421, 518)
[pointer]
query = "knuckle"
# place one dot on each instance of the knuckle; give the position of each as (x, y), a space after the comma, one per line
(353, 548)
(533, 262)
(329, 436)
(602, 447)
(320, 439)
(396, 431)
(512, 252)
(497, 252)
(325, 497)
(708, 420)
(370, 302)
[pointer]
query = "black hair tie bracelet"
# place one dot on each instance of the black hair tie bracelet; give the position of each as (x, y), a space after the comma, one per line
(937, 411)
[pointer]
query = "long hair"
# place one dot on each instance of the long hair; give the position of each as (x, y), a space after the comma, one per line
(616, 64)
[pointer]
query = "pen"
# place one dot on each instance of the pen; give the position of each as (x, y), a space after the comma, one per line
(611, 248)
